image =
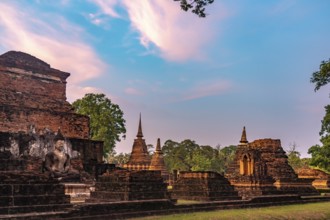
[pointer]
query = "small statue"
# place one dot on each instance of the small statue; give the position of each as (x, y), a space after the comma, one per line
(57, 162)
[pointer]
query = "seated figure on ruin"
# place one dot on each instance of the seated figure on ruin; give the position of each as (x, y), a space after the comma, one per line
(57, 162)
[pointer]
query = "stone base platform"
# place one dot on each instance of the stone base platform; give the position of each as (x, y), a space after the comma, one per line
(299, 186)
(22, 192)
(128, 185)
(134, 209)
(203, 186)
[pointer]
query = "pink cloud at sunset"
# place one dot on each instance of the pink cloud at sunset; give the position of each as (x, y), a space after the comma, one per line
(57, 43)
(208, 89)
(164, 28)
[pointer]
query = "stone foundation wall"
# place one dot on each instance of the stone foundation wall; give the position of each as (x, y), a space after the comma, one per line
(28, 192)
(119, 185)
(203, 186)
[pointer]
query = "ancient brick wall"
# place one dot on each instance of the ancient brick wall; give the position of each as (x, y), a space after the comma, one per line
(34, 94)
(275, 158)
(119, 185)
(203, 186)
(22, 81)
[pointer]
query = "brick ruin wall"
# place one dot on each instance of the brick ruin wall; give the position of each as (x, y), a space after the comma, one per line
(275, 158)
(39, 100)
(33, 107)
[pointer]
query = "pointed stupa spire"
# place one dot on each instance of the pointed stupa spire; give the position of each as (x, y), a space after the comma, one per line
(243, 140)
(140, 134)
(158, 145)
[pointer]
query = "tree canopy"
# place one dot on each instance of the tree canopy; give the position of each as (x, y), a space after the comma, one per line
(321, 77)
(294, 159)
(189, 156)
(106, 119)
(196, 6)
(321, 154)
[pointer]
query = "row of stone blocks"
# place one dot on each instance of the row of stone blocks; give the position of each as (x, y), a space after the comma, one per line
(22, 192)
(203, 186)
(124, 185)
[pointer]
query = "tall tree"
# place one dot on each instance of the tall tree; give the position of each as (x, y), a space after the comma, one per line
(321, 154)
(196, 6)
(106, 119)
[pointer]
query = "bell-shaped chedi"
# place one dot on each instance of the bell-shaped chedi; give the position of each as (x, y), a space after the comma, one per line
(140, 158)
(157, 161)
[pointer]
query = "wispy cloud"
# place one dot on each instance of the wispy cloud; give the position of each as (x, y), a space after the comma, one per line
(108, 7)
(56, 41)
(166, 30)
(133, 91)
(208, 89)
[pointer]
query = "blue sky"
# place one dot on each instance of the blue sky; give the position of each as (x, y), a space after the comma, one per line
(248, 63)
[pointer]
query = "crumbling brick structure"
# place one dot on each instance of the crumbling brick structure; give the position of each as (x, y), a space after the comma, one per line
(127, 185)
(321, 179)
(261, 168)
(33, 107)
(203, 186)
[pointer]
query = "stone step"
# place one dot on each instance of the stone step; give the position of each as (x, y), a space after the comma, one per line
(34, 208)
(35, 215)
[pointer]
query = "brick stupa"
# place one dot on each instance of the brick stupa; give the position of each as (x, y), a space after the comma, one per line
(140, 158)
(157, 161)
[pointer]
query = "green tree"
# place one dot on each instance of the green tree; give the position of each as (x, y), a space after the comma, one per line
(321, 154)
(321, 77)
(294, 158)
(226, 157)
(106, 119)
(118, 159)
(196, 6)
(189, 156)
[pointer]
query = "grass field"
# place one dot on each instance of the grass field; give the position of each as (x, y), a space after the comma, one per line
(319, 210)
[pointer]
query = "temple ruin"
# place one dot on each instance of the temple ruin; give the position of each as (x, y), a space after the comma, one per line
(35, 116)
(33, 107)
(261, 168)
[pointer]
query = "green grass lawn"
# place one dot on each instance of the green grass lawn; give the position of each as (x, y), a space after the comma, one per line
(319, 210)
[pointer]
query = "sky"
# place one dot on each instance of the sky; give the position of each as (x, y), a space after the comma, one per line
(248, 63)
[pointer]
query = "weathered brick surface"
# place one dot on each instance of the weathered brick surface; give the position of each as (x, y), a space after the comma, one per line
(130, 185)
(19, 189)
(203, 186)
(33, 93)
(269, 172)
(321, 180)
